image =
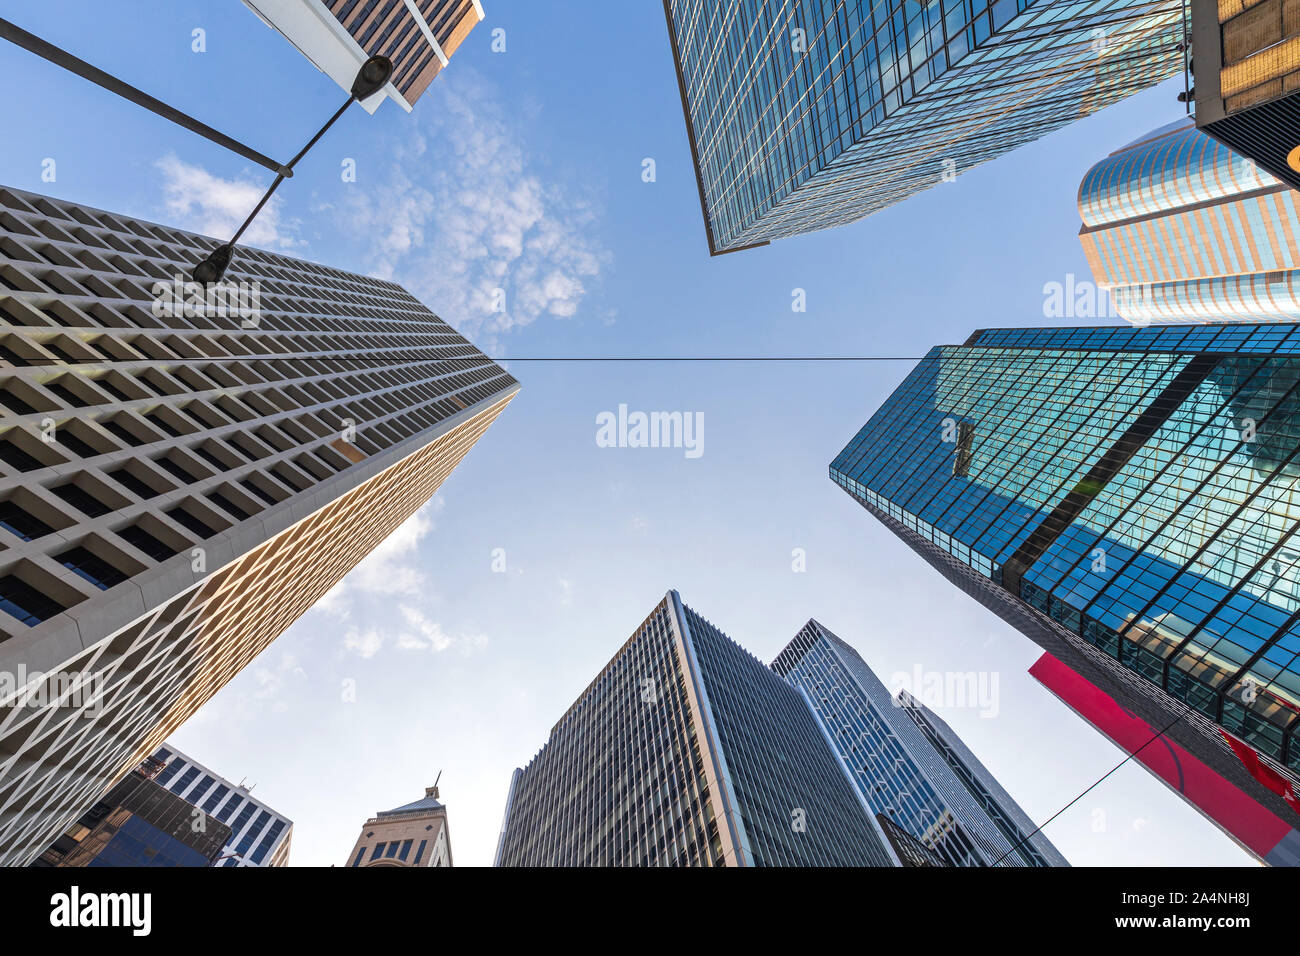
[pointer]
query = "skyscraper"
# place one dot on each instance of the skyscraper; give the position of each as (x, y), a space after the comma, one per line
(1179, 228)
(908, 764)
(181, 479)
(414, 834)
(803, 116)
(1247, 92)
(686, 751)
(337, 36)
(1127, 498)
(259, 835)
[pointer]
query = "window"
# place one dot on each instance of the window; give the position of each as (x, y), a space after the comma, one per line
(82, 500)
(157, 422)
(419, 853)
(168, 772)
(130, 481)
(211, 459)
(92, 567)
(186, 779)
(379, 848)
(13, 455)
(75, 444)
(406, 849)
(184, 518)
(71, 398)
(147, 543)
(166, 464)
(214, 798)
(392, 850)
(360, 854)
(14, 403)
(260, 853)
(230, 808)
(118, 429)
(225, 504)
(112, 389)
(24, 602)
(257, 490)
(21, 524)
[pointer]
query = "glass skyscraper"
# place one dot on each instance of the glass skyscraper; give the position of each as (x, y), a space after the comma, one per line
(908, 763)
(807, 115)
(1128, 498)
(1179, 228)
(686, 751)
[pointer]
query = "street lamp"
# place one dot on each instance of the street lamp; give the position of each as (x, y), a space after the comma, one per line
(370, 79)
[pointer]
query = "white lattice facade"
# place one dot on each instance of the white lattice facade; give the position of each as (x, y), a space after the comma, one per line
(178, 485)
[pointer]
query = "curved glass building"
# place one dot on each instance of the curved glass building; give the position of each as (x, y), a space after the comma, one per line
(1179, 228)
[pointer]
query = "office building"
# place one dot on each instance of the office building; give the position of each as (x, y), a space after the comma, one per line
(414, 834)
(908, 764)
(1179, 228)
(259, 835)
(180, 479)
(1127, 498)
(805, 116)
(1247, 79)
(337, 36)
(686, 751)
(139, 823)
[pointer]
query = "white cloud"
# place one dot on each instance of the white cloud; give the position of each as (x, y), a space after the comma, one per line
(271, 677)
(392, 569)
(455, 223)
(422, 633)
(363, 643)
(197, 200)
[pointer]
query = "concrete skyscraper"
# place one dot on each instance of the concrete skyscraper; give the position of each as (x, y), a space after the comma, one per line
(181, 478)
(908, 763)
(419, 36)
(803, 116)
(1179, 228)
(1126, 497)
(414, 834)
(686, 751)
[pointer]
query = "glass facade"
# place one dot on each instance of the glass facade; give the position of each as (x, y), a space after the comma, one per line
(1136, 487)
(259, 835)
(962, 815)
(1179, 228)
(687, 751)
(812, 114)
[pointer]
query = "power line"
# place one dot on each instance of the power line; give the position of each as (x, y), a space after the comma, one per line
(1096, 783)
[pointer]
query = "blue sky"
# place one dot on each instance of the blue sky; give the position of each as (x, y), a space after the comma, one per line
(523, 170)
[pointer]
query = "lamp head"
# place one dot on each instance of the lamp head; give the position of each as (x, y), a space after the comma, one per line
(372, 76)
(214, 266)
